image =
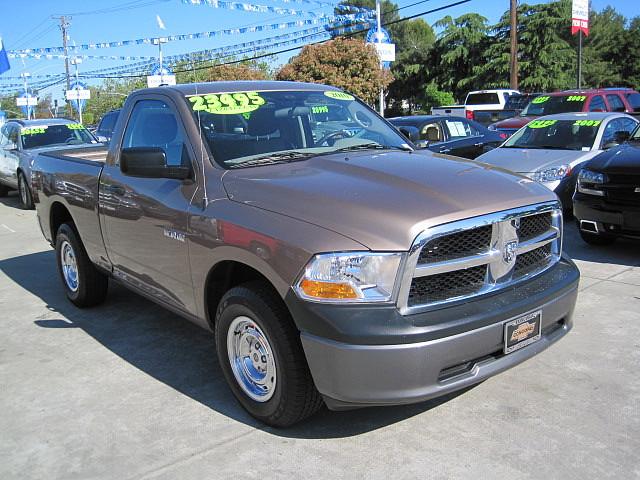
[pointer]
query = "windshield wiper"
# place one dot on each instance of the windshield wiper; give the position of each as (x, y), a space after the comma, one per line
(371, 146)
(273, 158)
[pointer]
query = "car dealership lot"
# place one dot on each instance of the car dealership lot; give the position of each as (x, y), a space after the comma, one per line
(129, 390)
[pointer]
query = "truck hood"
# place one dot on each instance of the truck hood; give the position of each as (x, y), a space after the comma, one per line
(382, 200)
(624, 159)
(513, 122)
(527, 160)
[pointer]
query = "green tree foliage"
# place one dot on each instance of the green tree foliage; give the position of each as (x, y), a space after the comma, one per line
(344, 63)
(108, 96)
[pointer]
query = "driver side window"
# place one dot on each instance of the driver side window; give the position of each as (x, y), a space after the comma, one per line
(153, 124)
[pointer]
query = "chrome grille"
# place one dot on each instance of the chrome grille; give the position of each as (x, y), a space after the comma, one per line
(471, 257)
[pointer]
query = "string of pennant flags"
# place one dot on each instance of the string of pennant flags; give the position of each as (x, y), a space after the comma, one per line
(308, 2)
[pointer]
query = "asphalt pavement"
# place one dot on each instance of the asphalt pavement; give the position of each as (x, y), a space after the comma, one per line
(128, 390)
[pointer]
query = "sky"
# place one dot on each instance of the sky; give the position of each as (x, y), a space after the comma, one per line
(30, 25)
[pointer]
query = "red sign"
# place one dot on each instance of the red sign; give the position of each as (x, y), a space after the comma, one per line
(580, 17)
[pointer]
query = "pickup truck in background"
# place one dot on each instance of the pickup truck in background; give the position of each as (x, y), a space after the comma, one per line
(477, 101)
(514, 106)
(333, 263)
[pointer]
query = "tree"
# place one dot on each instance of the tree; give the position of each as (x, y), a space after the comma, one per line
(344, 63)
(109, 96)
(212, 71)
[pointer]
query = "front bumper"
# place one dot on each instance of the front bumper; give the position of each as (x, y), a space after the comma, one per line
(453, 347)
(611, 219)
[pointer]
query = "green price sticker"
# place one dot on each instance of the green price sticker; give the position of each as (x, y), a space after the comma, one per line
(540, 99)
(587, 123)
(576, 98)
(320, 109)
(541, 123)
(34, 130)
(75, 126)
(227, 103)
(339, 95)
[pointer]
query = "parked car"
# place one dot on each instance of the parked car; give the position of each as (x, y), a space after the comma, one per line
(347, 270)
(446, 134)
(22, 140)
(514, 106)
(552, 149)
(595, 100)
(606, 203)
(105, 127)
(476, 101)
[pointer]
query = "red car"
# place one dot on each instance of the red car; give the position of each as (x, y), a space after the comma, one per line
(595, 100)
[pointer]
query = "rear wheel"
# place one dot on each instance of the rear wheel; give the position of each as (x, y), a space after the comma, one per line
(261, 356)
(84, 284)
(24, 192)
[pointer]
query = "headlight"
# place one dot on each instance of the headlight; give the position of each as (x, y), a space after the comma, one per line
(552, 174)
(349, 277)
(588, 182)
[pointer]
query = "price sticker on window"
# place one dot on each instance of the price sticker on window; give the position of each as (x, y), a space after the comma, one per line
(587, 123)
(75, 126)
(34, 130)
(541, 123)
(540, 99)
(576, 98)
(319, 109)
(339, 95)
(227, 103)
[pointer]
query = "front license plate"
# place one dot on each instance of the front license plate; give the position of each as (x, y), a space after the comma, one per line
(522, 331)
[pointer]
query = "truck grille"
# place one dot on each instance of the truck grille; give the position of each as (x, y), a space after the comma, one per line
(471, 257)
(620, 189)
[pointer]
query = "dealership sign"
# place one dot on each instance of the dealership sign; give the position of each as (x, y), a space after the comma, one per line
(580, 17)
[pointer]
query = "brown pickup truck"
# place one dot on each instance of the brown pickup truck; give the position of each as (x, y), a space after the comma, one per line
(334, 263)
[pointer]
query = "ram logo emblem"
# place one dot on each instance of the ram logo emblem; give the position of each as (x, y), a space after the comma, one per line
(509, 251)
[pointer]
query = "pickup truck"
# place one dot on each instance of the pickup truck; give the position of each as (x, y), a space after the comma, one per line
(334, 264)
(478, 101)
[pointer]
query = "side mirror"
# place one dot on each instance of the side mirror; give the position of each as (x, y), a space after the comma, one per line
(102, 139)
(11, 147)
(622, 136)
(422, 144)
(150, 162)
(409, 132)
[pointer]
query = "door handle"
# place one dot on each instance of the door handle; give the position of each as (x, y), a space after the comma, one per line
(479, 144)
(444, 150)
(115, 189)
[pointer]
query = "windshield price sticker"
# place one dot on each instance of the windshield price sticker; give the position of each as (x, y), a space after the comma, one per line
(587, 123)
(33, 130)
(75, 126)
(320, 109)
(541, 123)
(541, 99)
(576, 98)
(227, 103)
(339, 95)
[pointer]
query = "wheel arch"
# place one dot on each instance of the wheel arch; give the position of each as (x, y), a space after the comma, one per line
(58, 214)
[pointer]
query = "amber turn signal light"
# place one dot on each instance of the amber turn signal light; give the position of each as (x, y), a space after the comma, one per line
(330, 290)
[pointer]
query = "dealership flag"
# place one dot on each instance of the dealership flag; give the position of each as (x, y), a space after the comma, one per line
(580, 17)
(4, 60)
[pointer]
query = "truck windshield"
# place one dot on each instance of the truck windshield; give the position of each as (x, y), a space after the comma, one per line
(38, 136)
(252, 128)
(549, 105)
(556, 135)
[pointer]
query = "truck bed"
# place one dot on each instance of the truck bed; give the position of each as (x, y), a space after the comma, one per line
(97, 154)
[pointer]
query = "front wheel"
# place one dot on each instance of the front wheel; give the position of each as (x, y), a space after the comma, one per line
(261, 356)
(24, 192)
(83, 283)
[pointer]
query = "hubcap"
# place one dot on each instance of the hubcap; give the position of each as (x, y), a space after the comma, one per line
(251, 359)
(69, 266)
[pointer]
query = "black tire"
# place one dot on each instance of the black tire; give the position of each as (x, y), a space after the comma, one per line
(92, 284)
(24, 193)
(596, 238)
(4, 190)
(295, 396)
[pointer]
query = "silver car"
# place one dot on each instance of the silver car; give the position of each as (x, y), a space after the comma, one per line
(553, 148)
(22, 140)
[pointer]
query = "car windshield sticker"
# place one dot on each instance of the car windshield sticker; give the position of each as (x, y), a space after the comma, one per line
(541, 123)
(34, 130)
(587, 123)
(456, 129)
(576, 98)
(227, 103)
(541, 99)
(75, 126)
(319, 109)
(339, 95)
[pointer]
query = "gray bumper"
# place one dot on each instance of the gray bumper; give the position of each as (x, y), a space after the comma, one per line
(350, 375)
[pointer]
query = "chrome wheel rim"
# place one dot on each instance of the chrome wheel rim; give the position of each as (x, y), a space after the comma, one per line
(22, 188)
(69, 266)
(251, 359)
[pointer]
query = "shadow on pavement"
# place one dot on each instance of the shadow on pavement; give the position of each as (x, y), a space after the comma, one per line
(622, 252)
(11, 200)
(176, 352)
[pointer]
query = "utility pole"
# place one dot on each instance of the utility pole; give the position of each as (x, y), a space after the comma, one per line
(64, 24)
(379, 28)
(513, 66)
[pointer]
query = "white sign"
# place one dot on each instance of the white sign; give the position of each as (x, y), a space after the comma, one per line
(82, 94)
(386, 51)
(580, 16)
(157, 80)
(27, 101)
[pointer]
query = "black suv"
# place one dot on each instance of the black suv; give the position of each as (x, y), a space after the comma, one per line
(607, 199)
(106, 126)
